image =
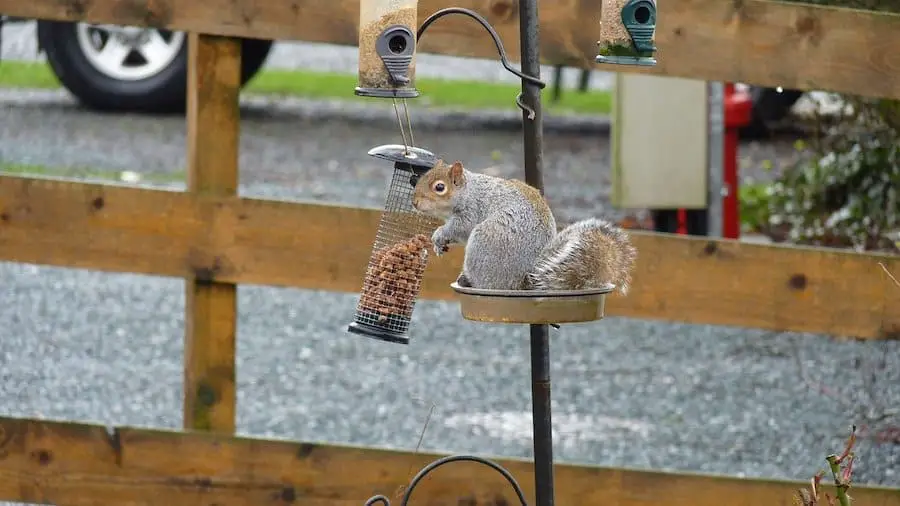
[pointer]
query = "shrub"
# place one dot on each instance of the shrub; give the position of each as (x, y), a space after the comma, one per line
(844, 187)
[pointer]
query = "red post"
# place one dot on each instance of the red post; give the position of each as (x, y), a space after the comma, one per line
(738, 111)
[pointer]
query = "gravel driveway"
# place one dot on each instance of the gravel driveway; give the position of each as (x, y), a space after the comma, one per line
(108, 348)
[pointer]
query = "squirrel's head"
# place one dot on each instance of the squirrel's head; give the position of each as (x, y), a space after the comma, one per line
(434, 191)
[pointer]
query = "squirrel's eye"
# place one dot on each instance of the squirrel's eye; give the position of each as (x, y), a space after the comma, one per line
(440, 187)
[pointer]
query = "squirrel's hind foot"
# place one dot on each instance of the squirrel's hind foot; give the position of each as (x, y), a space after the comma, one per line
(463, 281)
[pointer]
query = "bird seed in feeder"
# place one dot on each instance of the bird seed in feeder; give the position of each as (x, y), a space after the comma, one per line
(372, 70)
(627, 29)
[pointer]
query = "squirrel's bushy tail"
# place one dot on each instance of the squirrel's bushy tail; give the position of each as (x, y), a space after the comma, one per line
(586, 254)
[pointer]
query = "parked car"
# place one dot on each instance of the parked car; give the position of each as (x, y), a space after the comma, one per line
(122, 68)
(770, 106)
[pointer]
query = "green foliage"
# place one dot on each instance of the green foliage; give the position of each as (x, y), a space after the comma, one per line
(844, 188)
(754, 199)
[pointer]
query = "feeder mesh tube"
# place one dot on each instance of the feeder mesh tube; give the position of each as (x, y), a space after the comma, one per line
(399, 257)
(374, 17)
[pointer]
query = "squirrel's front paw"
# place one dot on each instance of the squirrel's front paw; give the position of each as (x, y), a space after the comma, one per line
(441, 242)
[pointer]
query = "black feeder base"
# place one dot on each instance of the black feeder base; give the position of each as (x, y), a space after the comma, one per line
(363, 328)
(387, 92)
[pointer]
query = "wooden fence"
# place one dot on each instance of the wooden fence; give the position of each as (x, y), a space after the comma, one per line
(214, 239)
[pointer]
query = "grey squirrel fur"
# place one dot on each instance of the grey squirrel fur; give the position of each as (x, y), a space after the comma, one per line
(510, 236)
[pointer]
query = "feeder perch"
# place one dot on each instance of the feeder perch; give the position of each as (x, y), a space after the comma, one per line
(536, 307)
(400, 253)
(627, 29)
(387, 47)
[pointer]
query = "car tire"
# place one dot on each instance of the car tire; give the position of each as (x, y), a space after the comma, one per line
(147, 89)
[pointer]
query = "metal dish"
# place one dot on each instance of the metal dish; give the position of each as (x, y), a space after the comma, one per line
(532, 306)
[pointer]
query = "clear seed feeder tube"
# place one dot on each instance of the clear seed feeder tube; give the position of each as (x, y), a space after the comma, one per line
(627, 32)
(387, 47)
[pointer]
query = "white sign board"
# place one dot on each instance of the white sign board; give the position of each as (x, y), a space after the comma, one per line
(660, 143)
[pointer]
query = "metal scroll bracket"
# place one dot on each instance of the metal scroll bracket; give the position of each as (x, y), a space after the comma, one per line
(497, 42)
(447, 460)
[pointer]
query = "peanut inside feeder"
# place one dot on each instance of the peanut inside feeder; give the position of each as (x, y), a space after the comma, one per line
(400, 253)
(627, 32)
(387, 43)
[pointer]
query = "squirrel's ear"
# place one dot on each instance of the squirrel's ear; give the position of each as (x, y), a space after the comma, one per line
(456, 173)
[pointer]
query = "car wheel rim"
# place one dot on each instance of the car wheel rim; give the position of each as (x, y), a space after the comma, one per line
(128, 53)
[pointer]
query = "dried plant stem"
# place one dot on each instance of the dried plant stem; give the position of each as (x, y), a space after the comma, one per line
(886, 271)
(816, 386)
(402, 488)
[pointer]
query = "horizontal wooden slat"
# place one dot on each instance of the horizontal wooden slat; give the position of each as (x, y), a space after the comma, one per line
(171, 233)
(754, 41)
(696, 280)
(84, 465)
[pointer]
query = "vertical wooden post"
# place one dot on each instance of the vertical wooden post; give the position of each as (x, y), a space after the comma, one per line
(557, 83)
(213, 129)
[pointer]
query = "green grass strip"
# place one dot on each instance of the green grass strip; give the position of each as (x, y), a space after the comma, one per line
(79, 173)
(326, 85)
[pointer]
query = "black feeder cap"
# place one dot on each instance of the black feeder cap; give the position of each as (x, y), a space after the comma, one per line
(413, 159)
(408, 158)
(386, 92)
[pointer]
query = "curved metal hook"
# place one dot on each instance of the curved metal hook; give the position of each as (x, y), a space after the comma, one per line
(378, 498)
(447, 460)
(497, 42)
(487, 26)
(524, 107)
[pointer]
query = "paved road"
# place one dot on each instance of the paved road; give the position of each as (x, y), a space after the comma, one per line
(107, 348)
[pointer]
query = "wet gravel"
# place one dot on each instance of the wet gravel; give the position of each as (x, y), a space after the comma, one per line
(312, 151)
(108, 348)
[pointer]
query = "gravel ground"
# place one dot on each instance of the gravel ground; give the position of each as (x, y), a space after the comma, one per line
(107, 348)
(306, 149)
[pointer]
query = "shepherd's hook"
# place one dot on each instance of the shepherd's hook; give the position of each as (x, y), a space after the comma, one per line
(497, 42)
(447, 460)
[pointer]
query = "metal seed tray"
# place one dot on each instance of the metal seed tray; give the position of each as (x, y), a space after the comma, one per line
(532, 306)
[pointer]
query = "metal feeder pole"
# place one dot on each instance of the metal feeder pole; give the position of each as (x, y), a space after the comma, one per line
(533, 138)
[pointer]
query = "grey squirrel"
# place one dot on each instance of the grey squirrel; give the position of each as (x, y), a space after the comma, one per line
(510, 235)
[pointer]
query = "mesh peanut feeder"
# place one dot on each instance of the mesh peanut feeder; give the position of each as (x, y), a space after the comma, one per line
(400, 253)
(627, 32)
(387, 47)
